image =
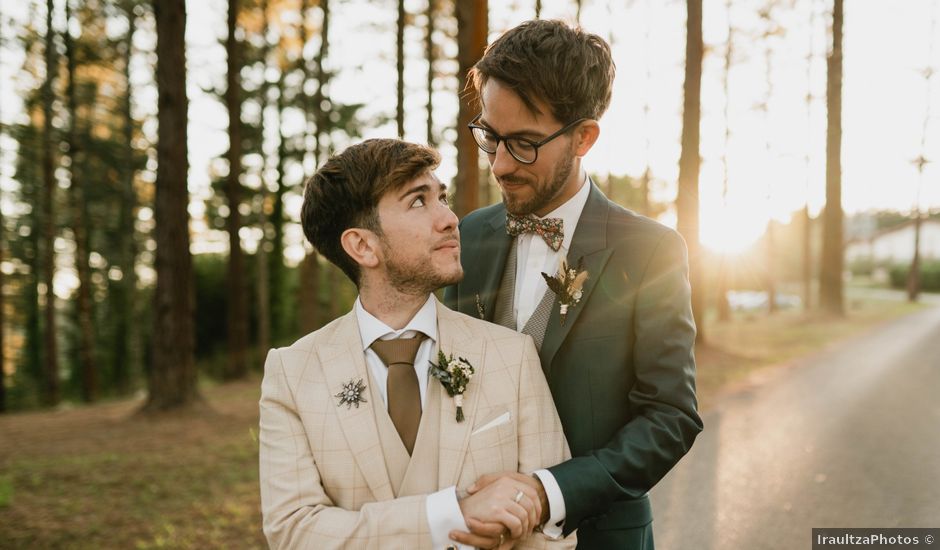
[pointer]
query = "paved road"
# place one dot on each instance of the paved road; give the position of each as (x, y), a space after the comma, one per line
(848, 438)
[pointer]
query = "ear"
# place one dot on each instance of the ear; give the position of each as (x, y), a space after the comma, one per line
(585, 136)
(362, 246)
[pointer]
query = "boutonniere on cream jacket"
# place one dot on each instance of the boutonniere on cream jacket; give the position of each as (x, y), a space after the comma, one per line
(454, 374)
(567, 285)
(352, 394)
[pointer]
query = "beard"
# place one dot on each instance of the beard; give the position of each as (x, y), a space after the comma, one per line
(544, 193)
(417, 277)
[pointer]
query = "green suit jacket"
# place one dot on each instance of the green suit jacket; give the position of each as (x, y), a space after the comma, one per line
(621, 369)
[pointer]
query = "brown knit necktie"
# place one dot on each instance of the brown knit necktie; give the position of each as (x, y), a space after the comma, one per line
(404, 396)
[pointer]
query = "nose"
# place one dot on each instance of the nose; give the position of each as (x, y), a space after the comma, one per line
(502, 162)
(447, 219)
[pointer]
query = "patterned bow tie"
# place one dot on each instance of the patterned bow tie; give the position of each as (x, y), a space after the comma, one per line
(552, 230)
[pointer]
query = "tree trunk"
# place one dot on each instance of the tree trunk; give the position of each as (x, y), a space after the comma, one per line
(913, 276)
(51, 389)
(86, 336)
(770, 269)
(770, 274)
(237, 321)
(309, 314)
(265, 262)
(429, 51)
(126, 335)
(276, 259)
(807, 243)
(3, 324)
(472, 28)
(687, 202)
(831, 297)
(724, 308)
(173, 373)
(400, 57)
(538, 9)
(807, 259)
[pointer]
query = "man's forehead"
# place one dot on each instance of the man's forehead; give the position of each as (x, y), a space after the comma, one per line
(497, 101)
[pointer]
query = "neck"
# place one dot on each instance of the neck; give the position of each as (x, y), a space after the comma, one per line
(391, 306)
(578, 178)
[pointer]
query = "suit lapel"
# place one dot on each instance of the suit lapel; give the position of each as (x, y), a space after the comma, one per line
(485, 268)
(589, 242)
(455, 337)
(342, 360)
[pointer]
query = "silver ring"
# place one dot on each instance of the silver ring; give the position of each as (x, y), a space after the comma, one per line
(518, 497)
(500, 540)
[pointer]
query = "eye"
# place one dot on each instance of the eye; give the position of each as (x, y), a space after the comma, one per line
(444, 199)
(418, 202)
(522, 145)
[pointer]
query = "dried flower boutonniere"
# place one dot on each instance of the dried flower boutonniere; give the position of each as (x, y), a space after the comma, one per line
(454, 374)
(567, 285)
(480, 309)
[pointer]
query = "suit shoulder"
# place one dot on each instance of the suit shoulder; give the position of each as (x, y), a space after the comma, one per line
(478, 217)
(491, 331)
(312, 340)
(627, 226)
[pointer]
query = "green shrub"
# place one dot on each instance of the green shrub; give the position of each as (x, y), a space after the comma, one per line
(929, 276)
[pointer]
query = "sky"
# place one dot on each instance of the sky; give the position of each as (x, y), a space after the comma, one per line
(776, 157)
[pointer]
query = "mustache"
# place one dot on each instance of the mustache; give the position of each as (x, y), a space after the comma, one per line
(453, 237)
(513, 180)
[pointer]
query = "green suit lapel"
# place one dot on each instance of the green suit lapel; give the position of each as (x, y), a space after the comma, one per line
(485, 268)
(589, 242)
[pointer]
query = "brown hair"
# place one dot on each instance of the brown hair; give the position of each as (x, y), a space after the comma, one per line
(568, 68)
(345, 192)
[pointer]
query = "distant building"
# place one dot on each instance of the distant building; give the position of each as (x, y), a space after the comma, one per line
(895, 245)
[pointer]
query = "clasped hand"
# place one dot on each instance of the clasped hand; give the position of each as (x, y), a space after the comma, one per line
(500, 509)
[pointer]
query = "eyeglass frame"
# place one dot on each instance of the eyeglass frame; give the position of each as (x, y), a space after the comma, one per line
(535, 144)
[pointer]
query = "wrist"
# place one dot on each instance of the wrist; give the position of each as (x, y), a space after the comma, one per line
(543, 499)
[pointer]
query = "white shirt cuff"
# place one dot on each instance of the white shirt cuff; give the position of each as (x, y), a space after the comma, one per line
(556, 505)
(444, 516)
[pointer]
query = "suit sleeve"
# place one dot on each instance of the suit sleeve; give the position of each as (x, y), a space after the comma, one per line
(296, 511)
(541, 437)
(665, 422)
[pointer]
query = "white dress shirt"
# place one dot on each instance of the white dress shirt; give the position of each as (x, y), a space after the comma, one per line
(533, 257)
(443, 511)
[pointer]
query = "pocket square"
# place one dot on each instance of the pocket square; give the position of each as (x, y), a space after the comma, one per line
(498, 421)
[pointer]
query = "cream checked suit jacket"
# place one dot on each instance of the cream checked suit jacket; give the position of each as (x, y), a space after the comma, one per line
(338, 477)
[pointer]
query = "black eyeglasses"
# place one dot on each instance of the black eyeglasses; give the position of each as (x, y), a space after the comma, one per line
(524, 150)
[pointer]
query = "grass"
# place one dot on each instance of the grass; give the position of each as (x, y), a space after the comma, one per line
(104, 477)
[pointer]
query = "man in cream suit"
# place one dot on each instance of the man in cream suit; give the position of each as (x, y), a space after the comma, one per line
(359, 446)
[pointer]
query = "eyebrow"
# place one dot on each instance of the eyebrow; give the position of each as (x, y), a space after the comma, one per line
(532, 134)
(420, 190)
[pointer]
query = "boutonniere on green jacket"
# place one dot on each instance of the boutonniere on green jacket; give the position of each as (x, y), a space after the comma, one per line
(567, 285)
(454, 374)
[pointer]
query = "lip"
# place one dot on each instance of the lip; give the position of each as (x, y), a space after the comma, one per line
(452, 244)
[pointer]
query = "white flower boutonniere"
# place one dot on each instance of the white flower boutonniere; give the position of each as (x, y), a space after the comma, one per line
(454, 374)
(567, 285)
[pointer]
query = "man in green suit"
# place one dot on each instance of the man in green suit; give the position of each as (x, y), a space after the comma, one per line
(614, 328)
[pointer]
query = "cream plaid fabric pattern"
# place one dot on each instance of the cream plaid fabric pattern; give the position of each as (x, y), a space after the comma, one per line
(324, 478)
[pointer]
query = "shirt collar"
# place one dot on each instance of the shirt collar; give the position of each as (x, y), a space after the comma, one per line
(570, 211)
(372, 329)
